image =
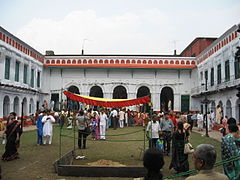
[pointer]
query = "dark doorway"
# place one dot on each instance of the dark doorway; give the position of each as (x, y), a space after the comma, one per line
(73, 105)
(166, 99)
(55, 98)
(96, 91)
(144, 91)
(120, 92)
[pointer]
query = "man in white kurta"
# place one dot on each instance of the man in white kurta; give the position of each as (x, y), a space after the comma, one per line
(200, 121)
(103, 123)
(48, 121)
(121, 119)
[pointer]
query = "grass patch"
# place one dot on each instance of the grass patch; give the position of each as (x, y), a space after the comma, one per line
(36, 162)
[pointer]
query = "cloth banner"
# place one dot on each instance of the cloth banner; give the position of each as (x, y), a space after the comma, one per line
(106, 102)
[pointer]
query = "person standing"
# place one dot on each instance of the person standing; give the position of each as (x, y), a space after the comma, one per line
(121, 118)
(13, 132)
(204, 158)
(48, 121)
(179, 160)
(200, 121)
(153, 161)
(39, 125)
(153, 130)
(114, 118)
(82, 133)
(167, 127)
(103, 123)
(230, 148)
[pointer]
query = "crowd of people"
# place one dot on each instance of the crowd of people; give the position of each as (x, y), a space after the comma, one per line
(172, 129)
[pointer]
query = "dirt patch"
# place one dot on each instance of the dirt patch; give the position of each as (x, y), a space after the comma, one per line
(103, 162)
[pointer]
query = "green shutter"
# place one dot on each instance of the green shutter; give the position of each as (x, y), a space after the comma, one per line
(7, 68)
(38, 79)
(17, 71)
(185, 103)
(32, 77)
(25, 74)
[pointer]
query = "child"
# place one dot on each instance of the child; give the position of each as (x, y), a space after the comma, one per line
(93, 126)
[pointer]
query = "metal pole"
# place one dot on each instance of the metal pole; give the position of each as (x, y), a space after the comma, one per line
(22, 117)
(206, 105)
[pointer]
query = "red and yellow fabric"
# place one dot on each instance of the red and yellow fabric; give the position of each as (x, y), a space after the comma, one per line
(106, 102)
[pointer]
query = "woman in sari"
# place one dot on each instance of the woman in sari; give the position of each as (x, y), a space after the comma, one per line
(13, 133)
(231, 148)
(179, 159)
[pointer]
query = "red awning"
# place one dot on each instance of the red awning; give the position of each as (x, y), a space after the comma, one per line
(106, 102)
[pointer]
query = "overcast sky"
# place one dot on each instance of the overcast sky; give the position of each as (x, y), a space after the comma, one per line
(116, 26)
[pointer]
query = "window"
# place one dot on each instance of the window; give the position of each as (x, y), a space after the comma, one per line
(25, 73)
(7, 68)
(227, 71)
(38, 78)
(219, 76)
(201, 75)
(237, 67)
(212, 77)
(32, 78)
(206, 75)
(17, 65)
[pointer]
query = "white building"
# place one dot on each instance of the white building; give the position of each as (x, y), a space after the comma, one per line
(174, 82)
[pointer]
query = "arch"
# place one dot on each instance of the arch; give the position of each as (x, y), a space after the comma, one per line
(100, 61)
(133, 61)
(48, 62)
(31, 106)
(139, 61)
(24, 106)
(58, 61)
(166, 62)
(182, 62)
(122, 62)
(96, 91)
(16, 105)
(106, 61)
(237, 110)
(160, 62)
(84, 61)
(228, 108)
(95, 61)
(63, 62)
(90, 61)
(111, 61)
(128, 62)
(213, 107)
(69, 61)
(6, 106)
(71, 104)
(150, 62)
(155, 62)
(166, 99)
(144, 62)
(74, 61)
(79, 61)
(120, 92)
(141, 92)
(171, 62)
(117, 61)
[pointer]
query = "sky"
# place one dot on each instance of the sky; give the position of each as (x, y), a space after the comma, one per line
(116, 26)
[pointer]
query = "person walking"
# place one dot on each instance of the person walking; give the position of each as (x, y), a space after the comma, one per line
(179, 160)
(48, 121)
(167, 127)
(153, 130)
(103, 123)
(200, 121)
(13, 132)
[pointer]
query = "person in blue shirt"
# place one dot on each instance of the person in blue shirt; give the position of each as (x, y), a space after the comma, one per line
(39, 125)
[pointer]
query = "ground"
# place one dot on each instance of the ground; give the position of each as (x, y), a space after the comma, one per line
(36, 162)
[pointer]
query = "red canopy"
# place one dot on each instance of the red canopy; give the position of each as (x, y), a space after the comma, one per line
(107, 102)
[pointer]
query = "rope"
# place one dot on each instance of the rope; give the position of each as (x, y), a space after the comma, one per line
(115, 140)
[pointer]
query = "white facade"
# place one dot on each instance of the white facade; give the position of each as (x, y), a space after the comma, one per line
(183, 76)
(14, 92)
(221, 89)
